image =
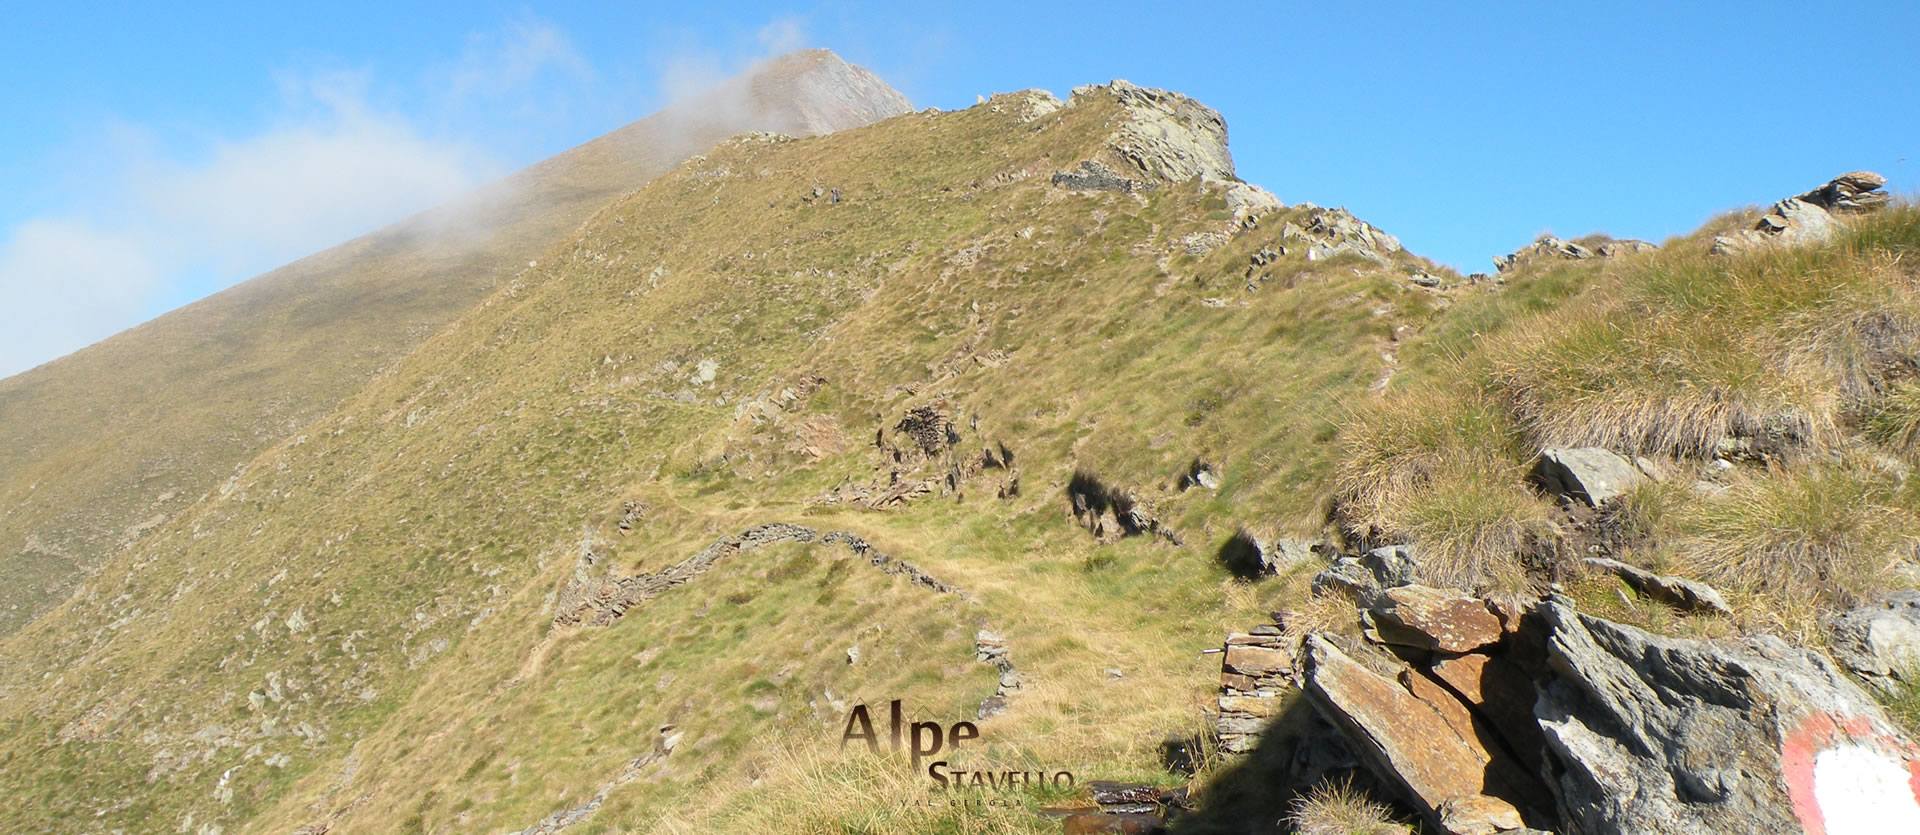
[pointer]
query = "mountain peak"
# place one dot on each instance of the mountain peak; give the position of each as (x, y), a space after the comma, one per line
(805, 93)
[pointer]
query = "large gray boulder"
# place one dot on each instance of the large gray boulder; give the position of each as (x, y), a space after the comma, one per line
(1589, 474)
(1648, 734)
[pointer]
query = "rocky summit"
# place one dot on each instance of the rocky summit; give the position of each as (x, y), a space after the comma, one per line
(795, 461)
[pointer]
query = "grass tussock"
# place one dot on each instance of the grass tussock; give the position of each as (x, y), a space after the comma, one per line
(1441, 469)
(1893, 421)
(1339, 809)
(1831, 533)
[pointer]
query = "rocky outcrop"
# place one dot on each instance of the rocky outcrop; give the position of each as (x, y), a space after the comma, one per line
(1026, 105)
(1501, 714)
(1167, 136)
(1330, 232)
(1588, 474)
(1248, 200)
(1809, 218)
(1550, 248)
(1111, 513)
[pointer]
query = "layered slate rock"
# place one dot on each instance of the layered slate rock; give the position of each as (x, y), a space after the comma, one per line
(1502, 694)
(1809, 218)
(1421, 740)
(1666, 735)
(1589, 474)
(1431, 619)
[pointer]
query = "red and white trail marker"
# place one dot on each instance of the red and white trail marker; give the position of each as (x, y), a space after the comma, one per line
(1847, 778)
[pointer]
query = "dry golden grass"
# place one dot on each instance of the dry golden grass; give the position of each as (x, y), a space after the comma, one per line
(1828, 533)
(1772, 346)
(1440, 468)
(1780, 355)
(1893, 420)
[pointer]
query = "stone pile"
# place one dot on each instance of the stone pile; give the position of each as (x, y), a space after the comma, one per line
(1809, 218)
(990, 648)
(1255, 676)
(1093, 176)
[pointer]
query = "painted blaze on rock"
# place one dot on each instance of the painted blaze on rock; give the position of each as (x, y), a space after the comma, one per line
(1653, 734)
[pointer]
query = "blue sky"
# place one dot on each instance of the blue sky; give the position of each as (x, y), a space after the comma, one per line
(152, 155)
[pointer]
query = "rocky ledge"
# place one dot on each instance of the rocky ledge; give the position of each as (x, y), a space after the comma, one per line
(1809, 218)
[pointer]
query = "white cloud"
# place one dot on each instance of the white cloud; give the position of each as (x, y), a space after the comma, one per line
(299, 188)
(781, 36)
(694, 69)
(334, 161)
(242, 206)
(507, 66)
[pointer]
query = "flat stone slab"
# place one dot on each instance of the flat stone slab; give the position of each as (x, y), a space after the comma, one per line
(1678, 592)
(1431, 619)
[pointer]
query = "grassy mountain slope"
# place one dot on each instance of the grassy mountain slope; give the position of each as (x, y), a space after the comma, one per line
(373, 628)
(99, 447)
(427, 520)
